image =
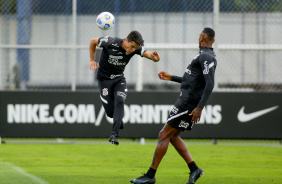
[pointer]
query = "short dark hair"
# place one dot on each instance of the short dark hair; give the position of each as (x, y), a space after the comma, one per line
(136, 37)
(209, 32)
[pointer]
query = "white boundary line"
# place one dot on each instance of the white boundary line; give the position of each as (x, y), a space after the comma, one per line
(23, 172)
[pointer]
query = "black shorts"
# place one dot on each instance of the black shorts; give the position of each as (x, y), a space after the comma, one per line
(179, 117)
(112, 93)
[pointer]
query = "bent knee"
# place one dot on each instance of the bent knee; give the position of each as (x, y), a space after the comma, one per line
(163, 135)
(168, 132)
(110, 114)
(119, 101)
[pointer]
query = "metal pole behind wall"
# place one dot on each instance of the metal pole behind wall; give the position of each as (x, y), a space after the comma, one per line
(4, 53)
(74, 17)
(216, 4)
(24, 12)
(139, 72)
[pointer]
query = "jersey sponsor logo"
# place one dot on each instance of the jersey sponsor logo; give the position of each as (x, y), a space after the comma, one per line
(115, 60)
(243, 117)
(115, 50)
(105, 91)
(115, 57)
(114, 76)
(183, 124)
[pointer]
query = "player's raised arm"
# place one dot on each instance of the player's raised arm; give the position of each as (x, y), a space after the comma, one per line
(92, 49)
(154, 56)
(166, 76)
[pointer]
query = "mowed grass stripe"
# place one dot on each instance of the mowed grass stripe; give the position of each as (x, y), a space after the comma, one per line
(109, 164)
(9, 173)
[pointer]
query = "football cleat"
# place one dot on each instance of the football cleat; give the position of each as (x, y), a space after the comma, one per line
(195, 175)
(143, 179)
(114, 139)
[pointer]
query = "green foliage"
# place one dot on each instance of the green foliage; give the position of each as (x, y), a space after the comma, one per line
(109, 164)
(259, 5)
(8, 6)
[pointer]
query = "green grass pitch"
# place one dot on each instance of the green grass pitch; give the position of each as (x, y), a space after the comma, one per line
(109, 164)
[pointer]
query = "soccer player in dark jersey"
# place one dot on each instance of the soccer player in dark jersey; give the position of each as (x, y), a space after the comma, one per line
(196, 86)
(115, 56)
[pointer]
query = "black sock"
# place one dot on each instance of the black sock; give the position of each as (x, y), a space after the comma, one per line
(151, 173)
(192, 166)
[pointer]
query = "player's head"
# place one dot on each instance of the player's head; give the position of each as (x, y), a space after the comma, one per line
(132, 42)
(136, 37)
(207, 37)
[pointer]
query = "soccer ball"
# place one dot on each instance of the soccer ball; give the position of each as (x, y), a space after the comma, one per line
(105, 20)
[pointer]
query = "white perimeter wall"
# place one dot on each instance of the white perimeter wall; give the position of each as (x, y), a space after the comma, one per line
(53, 66)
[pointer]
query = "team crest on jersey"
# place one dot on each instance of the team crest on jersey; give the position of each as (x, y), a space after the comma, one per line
(105, 91)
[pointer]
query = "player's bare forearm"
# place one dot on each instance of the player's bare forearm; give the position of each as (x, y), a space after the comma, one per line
(164, 75)
(92, 49)
(154, 56)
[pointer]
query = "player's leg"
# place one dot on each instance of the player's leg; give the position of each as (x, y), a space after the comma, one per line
(179, 118)
(107, 96)
(120, 92)
(184, 122)
(180, 146)
(163, 141)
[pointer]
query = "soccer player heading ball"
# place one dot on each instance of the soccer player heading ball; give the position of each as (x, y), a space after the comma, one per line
(196, 86)
(111, 81)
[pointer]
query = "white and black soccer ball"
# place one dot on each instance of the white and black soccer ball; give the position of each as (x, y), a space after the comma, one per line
(105, 20)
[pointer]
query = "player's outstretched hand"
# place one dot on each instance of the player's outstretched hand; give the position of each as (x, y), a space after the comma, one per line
(164, 75)
(93, 65)
(155, 56)
(196, 115)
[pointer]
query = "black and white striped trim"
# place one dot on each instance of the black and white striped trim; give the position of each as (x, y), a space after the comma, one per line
(177, 115)
(103, 100)
(142, 50)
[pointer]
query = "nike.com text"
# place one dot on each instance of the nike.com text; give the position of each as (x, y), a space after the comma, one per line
(85, 113)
